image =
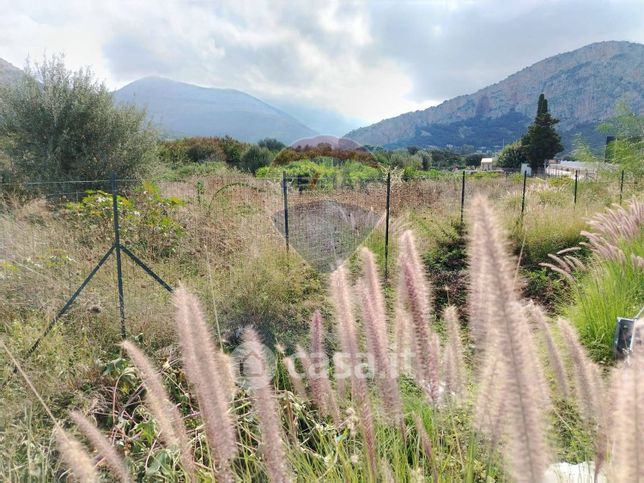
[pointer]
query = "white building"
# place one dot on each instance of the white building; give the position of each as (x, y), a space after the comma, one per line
(487, 164)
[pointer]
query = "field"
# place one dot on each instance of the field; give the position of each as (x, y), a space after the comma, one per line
(484, 355)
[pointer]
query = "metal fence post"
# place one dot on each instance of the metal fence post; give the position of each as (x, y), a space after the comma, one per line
(117, 250)
(387, 225)
(462, 197)
(621, 188)
(285, 195)
(576, 181)
(525, 178)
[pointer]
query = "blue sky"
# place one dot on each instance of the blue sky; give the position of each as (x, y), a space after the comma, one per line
(366, 60)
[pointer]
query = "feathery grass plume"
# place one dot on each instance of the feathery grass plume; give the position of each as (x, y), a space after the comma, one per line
(295, 377)
(343, 304)
(589, 385)
(454, 366)
(418, 296)
(425, 441)
(167, 416)
(346, 325)
(478, 306)
(375, 325)
(319, 364)
(554, 354)
(628, 421)
(612, 227)
(619, 223)
(78, 461)
(102, 445)
(320, 399)
(209, 378)
(516, 383)
(385, 471)
(272, 441)
(426, 362)
(402, 332)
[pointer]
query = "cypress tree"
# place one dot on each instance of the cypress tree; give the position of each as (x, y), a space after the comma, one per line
(542, 141)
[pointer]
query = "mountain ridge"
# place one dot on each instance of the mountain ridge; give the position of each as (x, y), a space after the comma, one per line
(183, 109)
(582, 87)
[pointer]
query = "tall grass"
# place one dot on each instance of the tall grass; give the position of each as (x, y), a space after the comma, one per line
(613, 286)
(374, 424)
(262, 431)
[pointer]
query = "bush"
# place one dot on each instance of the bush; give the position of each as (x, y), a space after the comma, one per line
(348, 173)
(201, 150)
(62, 125)
(145, 221)
(254, 158)
(511, 156)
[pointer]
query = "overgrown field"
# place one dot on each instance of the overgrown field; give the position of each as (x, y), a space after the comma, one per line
(486, 354)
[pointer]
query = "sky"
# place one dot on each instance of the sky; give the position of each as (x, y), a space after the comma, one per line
(361, 60)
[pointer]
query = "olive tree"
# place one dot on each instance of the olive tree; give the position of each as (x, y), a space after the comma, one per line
(57, 124)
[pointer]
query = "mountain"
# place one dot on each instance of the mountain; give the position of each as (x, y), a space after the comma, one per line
(182, 109)
(582, 88)
(324, 121)
(8, 73)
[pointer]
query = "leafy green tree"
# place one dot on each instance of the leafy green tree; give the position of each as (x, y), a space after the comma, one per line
(627, 147)
(473, 159)
(271, 144)
(254, 158)
(542, 141)
(233, 150)
(59, 125)
(511, 156)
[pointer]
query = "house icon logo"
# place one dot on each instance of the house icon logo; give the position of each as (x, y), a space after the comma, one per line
(253, 365)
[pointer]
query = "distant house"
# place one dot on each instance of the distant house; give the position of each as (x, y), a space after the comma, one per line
(487, 164)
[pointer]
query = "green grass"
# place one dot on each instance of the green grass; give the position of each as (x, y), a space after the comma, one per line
(609, 290)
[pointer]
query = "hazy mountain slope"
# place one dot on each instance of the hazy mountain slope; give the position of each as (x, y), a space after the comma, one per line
(8, 72)
(187, 110)
(582, 88)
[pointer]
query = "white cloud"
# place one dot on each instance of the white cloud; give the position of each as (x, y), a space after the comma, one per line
(366, 60)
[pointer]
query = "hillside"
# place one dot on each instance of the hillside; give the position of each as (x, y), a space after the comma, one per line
(582, 88)
(187, 110)
(8, 72)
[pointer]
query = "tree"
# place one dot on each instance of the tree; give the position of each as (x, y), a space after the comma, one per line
(61, 125)
(473, 160)
(254, 158)
(627, 145)
(271, 144)
(541, 142)
(511, 156)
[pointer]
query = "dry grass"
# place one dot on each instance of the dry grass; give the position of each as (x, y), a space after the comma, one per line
(245, 429)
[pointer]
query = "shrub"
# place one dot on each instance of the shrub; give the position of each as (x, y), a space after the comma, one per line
(63, 125)
(145, 221)
(254, 158)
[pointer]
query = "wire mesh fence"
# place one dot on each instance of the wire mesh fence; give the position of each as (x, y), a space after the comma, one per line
(320, 219)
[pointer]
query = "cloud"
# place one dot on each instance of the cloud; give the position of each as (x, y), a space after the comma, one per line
(454, 48)
(366, 60)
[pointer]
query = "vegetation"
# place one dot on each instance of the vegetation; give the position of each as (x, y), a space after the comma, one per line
(60, 125)
(511, 156)
(625, 145)
(216, 237)
(436, 415)
(541, 142)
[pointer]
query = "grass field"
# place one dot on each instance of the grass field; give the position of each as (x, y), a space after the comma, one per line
(474, 304)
